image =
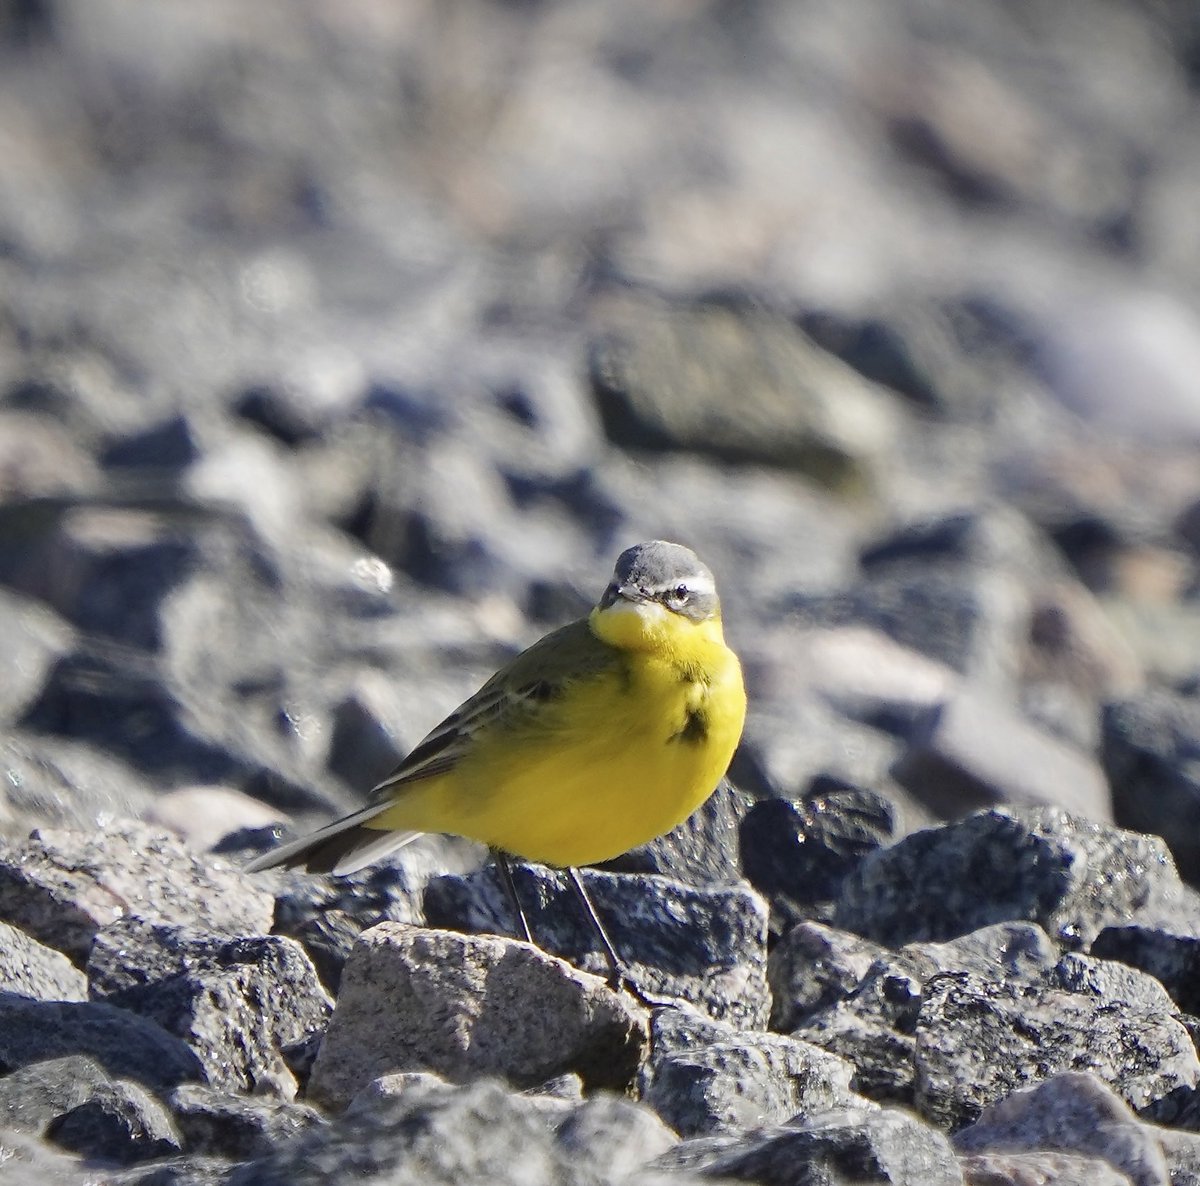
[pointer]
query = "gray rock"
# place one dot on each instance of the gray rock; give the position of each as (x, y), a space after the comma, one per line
(462, 1006)
(1111, 981)
(874, 1025)
(972, 620)
(972, 751)
(62, 887)
(1181, 1150)
(108, 573)
(856, 1145)
(745, 1080)
(238, 1003)
(812, 967)
(1150, 751)
(1168, 950)
(797, 853)
(196, 1170)
(1069, 875)
(33, 1096)
(53, 781)
(28, 969)
(29, 1161)
(1074, 1112)
(119, 1123)
(125, 1045)
(613, 1136)
(236, 1127)
(976, 1042)
(1039, 1169)
(795, 401)
(456, 1136)
(705, 946)
(31, 639)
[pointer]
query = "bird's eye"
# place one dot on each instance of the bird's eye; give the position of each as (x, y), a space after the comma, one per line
(678, 595)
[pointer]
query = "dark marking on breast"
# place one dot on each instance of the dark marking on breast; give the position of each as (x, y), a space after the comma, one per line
(695, 728)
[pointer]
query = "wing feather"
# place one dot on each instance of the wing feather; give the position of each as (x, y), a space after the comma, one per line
(519, 693)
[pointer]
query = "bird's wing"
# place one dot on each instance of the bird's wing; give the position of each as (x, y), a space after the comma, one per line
(522, 690)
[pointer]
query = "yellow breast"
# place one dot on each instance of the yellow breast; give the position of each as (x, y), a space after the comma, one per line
(626, 756)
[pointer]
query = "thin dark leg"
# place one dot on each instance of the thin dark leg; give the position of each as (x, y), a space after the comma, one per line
(510, 891)
(616, 970)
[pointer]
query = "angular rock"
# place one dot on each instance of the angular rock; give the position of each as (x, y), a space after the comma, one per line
(463, 1006)
(29, 1161)
(448, 1137)
(972, 752)
(32, 1097)
(125, 1045)
(851, 1145)
(1037, 1169)
(236, 1127)
(120, 1123)
(663, 380)
(977, 1042)
(705, 946)
(1074, 1112)
(743, 1080)
(1150, 750)
(1070, 876)
(31, 640)
(238, 1003)
(615, 1137)
(814, 966)
(28, 969)
(801, 851)
(61, 887)
(874, 1025)
(1168, 950)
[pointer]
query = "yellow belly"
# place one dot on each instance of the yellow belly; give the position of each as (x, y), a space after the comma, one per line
(617, 767)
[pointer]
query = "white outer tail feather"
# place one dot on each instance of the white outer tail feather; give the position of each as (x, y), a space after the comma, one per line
(372, 849)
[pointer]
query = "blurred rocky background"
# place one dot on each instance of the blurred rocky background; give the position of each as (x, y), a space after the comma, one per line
(343, 346)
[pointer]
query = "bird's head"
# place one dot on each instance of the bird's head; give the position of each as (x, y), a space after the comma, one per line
(659, 592)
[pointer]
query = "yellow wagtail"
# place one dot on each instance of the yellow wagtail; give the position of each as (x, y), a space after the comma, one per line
(601, 736)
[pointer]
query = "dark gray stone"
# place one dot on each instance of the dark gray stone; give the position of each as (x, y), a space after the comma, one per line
(1169, 950)
(119, 1123)
(238, 1003)
(745, 1080)
(125, 1045)
(874, 1025)
(1151, 752)
(813, 967)
(797, 853)
(463, 1006)
(705, 946)
(977, 1042)
(33, 1096)
(236, 1127)
(1069, 875)
(854, 1145)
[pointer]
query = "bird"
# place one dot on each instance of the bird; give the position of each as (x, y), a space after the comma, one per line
(601, 736)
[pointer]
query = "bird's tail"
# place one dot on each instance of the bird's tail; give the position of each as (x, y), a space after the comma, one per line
(344, 846)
